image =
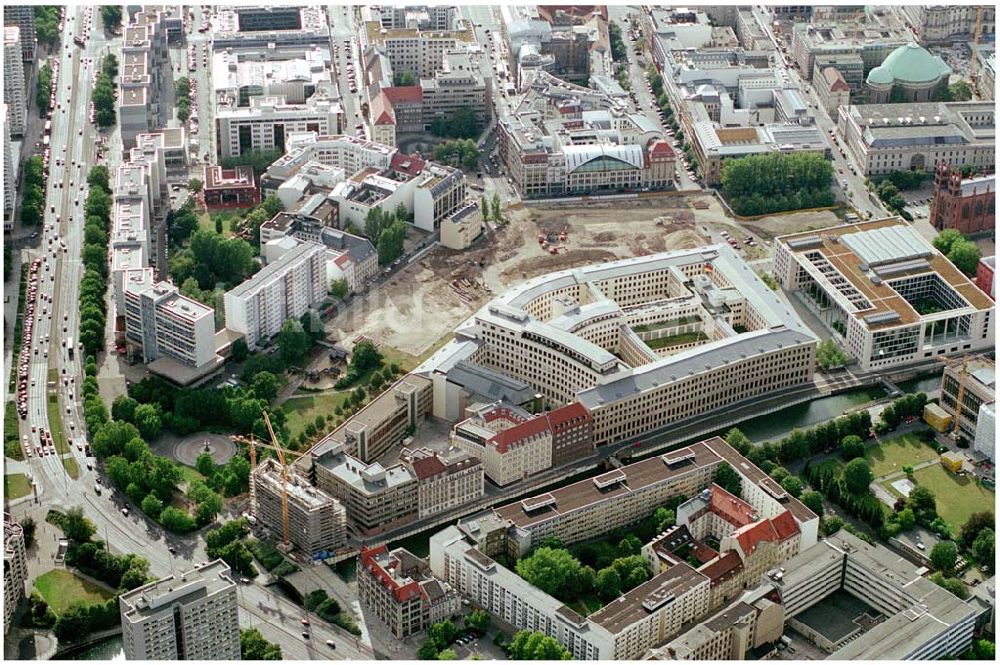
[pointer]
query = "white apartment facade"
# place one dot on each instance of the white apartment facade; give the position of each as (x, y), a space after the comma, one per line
(190, 618)
(282, 290)
(269, 120)
(161, 323)
(14, 95)
(15, 568)
(9, 176)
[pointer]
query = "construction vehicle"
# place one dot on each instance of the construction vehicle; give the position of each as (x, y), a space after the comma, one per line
(252, 443)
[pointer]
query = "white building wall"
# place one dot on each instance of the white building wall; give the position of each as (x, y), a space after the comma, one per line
(986, 431)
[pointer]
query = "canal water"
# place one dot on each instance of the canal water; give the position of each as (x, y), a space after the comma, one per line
(807, 414)
(109, 649)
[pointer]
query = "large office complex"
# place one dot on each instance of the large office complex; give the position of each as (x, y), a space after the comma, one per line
(14, 94)
(947, 23)
(23, 16)
(15, 568)
(317, 522)
(902, 137)
(187, 617)
(858, 601)
(873, 42)
(267, 121)
(886, 291)
(282, 290)
(640, 343)
(762, 528)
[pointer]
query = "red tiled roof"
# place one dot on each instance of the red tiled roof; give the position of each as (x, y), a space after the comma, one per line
(408, 93)
(381, 110)
(409, 164)
(513, 435)
(402, 592)
(661, 148)
(566, 414)
(723, 568)
(428, 467)
(731, 508)
(785, 525)
(776, 529)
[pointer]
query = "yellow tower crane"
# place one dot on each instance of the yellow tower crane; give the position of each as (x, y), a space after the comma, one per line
(960, 397)
(275, 445)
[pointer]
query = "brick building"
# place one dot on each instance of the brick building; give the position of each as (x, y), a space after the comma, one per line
(230, 187)
(967, 205)
(984, 275)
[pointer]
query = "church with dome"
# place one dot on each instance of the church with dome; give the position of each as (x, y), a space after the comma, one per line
(911, 73)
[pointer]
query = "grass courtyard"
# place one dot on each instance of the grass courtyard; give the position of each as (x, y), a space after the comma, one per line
(16, 485)
(957, 497)
(61, 588)
(895, 453)
(302, 410)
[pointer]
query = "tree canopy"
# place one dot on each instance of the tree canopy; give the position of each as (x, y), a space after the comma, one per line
(829, 355)
(727, 478)
(858, 476)
(528, 645)
(762, 184)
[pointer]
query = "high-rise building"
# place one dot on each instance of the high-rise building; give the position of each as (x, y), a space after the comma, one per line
(9, 177)
(15, 568)
(283, 290)
(13, 80)
(23, 16)
(190, 618)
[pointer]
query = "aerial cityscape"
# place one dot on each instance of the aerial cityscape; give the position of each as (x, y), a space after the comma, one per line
(499, 332)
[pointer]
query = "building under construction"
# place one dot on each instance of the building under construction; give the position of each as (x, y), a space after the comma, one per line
(316, 521)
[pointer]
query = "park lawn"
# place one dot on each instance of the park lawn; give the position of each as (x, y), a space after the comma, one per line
(72, 468)
(302, 410)
(957, 498)
(61, 588)
(11, 431)
(895, 453)
(206, 221)
(16, 485)
(55, 424)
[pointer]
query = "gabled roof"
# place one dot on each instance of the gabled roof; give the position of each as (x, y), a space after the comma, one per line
(776, 529)
(403, 94)
(427, 467)
(381, 110)
(722, 568)
(731, 508)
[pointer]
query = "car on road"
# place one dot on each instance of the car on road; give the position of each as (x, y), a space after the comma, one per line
(125, 511)
(305, 634)
(331, 644)
(305, 621)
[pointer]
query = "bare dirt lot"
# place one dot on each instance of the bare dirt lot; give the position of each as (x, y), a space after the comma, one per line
(419, 308)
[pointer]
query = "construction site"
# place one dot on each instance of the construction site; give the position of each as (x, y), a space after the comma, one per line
(417, 310)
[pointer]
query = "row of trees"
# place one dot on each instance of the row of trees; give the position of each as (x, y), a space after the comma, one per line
(908, 406)
(462, 124)
(960, 250)
(33, 186)
(669, 119)
(493, 211)
(213, 261)
(888, 193)
(801, 443)
(182, 98)
(253, 646)
(104, 96)
(364, 357)
(553, 569)
(847, 486)
(97, 224)
(258, 160)
(43, 90)
(459, 151)
(618, 51)
(226, 543)
(776, 182)
(387, 230)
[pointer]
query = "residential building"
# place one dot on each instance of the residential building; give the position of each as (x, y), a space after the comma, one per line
(515, 444)
(268, 120)
(376, 497)
(229, 187)
(910, 74)
(984, 275)
(565, 140)
(463, 227)
(348, 256)
(447, 480)
(850, 66)
(14, 95)
(385, 421)
(361, 175)
(968, 205)
(284, 289)
(400, 589)
(143, 59)
(832, 89)
(886, 293)
(172, 334)
(417, 51)
(978, 375)
(15, 568)
(9, 173)
(317, 523)
(936, 24)
(23, 16)
(909, 617)
(642, 343)
(902, 137)
(190, 618)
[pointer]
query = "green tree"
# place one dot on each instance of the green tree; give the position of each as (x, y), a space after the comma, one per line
(265, 386)
(111, 16)
(857, 476)
(253, 646)
(28, 527)
(147, 419)
(965, 255)
(478, 620)
(952, 584)
(293, 342)
(852, 447)
(365, 355)
(959, 92)
(906, 519)
(813, 501)
(497, 212)
(152, 506)
(447, 654)
(76, 527)
(339, 288)
(428, 650)
(792, 485)
(738, 440)
(528, 645)
(404, 79)
(258, 160)
(240, 350)
(984, 548)
(727, 478)
(923, 503)
(944, 240)
(462, 124)
(195, 185)
(205, 465)
(123, 408)
(176, 520)
(609, 584)
(829, 355)
(442, 633)
(976, 523)
(549, 569)
(944, 556)
(390, 243)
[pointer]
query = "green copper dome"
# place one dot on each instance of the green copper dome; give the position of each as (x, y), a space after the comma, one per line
(909, 64)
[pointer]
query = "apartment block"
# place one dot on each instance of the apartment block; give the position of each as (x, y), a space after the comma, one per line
(419, 52)
(400, 589)
(447, 480)
(15, 568)
(903, 137)
(267, 122)
(14, 95)
(193, 617)
(144, 54)
(376, 497)
(172, 334)
(979, 376)
(946, 24)
(885, 292)
(899, 613)
(968, 205)
(282, 290)
(9, 174)
(317, 523)
(384, 421)
(23, 16)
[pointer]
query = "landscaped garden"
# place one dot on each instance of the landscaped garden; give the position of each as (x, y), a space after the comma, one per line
(61, 588)
(895, 453)
(16, 485)
(958, 497)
